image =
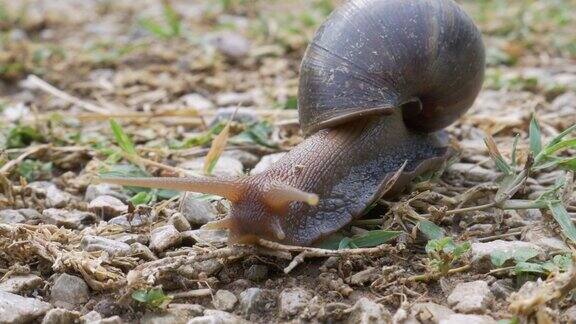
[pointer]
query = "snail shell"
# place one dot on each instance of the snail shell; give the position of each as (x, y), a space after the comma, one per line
(426, 56)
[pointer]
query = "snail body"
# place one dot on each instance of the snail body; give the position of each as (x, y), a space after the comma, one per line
(377, 83)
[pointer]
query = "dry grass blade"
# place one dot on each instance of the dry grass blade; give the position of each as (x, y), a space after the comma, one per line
(218, 146)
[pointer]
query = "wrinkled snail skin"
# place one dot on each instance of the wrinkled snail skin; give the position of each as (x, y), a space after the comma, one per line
(378, 83)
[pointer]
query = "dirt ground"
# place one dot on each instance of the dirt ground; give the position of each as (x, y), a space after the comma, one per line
(141, 88)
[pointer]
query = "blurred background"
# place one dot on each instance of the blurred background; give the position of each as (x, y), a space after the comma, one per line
(250, 46)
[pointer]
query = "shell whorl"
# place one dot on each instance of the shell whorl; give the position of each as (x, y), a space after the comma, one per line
(373, 55)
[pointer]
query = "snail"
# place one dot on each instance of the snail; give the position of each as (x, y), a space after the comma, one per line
(378, 83)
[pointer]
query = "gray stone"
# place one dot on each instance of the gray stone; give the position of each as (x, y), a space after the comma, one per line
(197, 101)
(109, 307)
(164, 237)
(91, 243)
(137, 221)
(198, 211)
(292, 301)
(366, 311)
(130, 238)
(214, 237)
(11, 216)
(251, 300)
(190, 310)
(472, 172)
(209, 267)
(546, 240)
(17, 309)
(502, 288)
(162, 318)
(94, 191)
(266, 162)
(73, 219)
(69, 290)
(256, 272)
(247, 159)
(212, 316)
(22, 284)
(56, 198)
(431, 312)
(471, 297)
(30, 214)
(569, 315)
(364, 276)
(468, 319)
(225, 167)
(141, 250)
(232, 45)
(91, 318)
(107, 207)
(224, 300)
(61, 316)
(481, 251)
(180, 222)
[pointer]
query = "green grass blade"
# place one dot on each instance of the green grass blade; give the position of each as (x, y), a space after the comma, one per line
(562, 145)
(535, 136)
(560, 136)
(374, 238)
(431, 230)
(561, 216)
(122, 139)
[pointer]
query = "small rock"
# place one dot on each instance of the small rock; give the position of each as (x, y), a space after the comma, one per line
(91, 243)
(214, 237)
(31, 215)
(92, 317)
(241, 115)
(74, 219)
(472, 172)
(198, 211)
(137, 221)
(191, 310)
(56, 198)
(232, 45)
(212, 316)
(256, 272)
(162, 318)
(251, 300)
(468, 319)
(266, 162)
(109, 307)
(141, 250)
(61, 316)
(180, 222)
(471, 297)
(164, 237)
(107, 207)
(431, 312)
(502, 288)
(569, 315)
(546, 240)
(209, 267)
(224, 300)
(18, 309)
(481, 251)
(292, 301)
(247, 159)
(110, 320)
(22, 284)
(225, 167)
(130, 238)
(197, 101)
(94, 191)
(69, 290)
(11, 216)
(364, 276)
(366, 311)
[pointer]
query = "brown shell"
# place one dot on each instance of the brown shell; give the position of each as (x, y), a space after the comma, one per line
(371, 55)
